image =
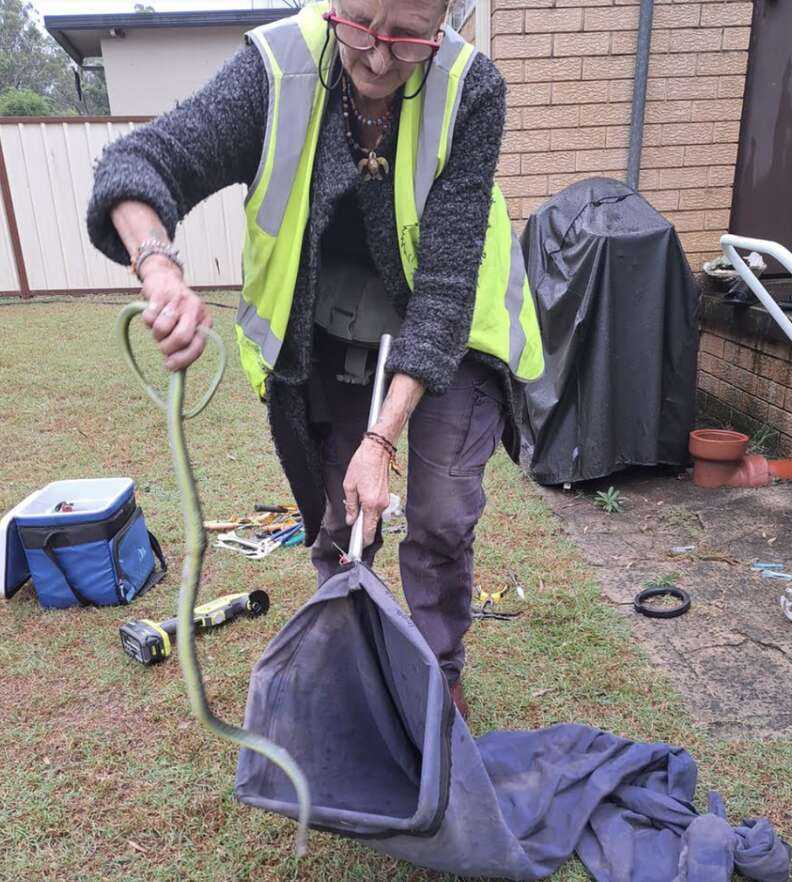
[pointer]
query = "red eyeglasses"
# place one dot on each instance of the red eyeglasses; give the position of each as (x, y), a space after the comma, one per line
(407, 49)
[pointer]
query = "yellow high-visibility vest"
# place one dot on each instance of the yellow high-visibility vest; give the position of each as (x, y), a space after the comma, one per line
(277, 206)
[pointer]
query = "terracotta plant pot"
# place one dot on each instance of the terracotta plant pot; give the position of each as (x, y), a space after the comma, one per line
(781, 468)
(718, 445)
(721, 461)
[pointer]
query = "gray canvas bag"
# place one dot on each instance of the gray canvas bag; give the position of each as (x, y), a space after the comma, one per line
(350, 688)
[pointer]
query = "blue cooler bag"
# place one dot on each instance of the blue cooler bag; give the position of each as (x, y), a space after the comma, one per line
(86, 543)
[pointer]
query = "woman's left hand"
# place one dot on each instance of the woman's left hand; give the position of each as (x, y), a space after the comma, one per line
(366, 487)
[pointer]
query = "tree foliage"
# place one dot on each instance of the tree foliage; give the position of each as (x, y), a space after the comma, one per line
(31, 61)
(24, 102)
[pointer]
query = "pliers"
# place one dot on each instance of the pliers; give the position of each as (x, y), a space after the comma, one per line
(487, 611)
(256, 549)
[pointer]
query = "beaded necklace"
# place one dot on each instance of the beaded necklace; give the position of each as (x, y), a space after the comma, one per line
(372, 166)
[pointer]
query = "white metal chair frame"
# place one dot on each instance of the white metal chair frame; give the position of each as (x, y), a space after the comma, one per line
(730, 244)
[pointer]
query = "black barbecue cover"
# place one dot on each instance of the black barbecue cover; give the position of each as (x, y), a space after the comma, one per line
(617, 305)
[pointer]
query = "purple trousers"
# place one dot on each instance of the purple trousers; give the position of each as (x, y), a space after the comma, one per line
(451, 437)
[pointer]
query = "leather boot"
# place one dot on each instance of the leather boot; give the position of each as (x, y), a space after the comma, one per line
(458, 695)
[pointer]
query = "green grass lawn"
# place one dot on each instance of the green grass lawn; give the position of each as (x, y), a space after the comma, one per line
(104, 775)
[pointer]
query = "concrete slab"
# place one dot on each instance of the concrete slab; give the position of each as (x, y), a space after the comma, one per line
(730, 655)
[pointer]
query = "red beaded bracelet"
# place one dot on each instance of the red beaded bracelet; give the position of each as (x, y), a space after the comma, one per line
(387, 446)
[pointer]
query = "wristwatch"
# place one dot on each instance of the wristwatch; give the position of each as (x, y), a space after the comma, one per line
(155, 246)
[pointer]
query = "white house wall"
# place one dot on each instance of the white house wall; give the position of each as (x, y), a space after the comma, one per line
(148, 71)
(50, 170)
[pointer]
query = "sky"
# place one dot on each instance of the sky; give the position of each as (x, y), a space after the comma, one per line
(78, 7)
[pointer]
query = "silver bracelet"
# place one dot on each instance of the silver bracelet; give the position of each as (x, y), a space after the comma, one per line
(155, 246)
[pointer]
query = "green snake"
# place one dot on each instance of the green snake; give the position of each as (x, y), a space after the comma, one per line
(194, 547)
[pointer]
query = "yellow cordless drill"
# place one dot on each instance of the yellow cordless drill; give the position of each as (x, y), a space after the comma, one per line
(150, 642)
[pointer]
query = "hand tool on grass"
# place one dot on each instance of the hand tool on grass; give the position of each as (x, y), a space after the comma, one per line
(275, 509)
(279, 526)
(485, 608)
(149, 642)
(487, 611)
(492, 596)
(195, 544)
(269, 521)
(296, 539)
(263, 545)
(249, 548)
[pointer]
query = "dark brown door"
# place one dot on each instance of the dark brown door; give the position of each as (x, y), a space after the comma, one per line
(762, 202)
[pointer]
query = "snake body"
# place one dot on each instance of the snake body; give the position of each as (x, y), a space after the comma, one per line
(194, 548)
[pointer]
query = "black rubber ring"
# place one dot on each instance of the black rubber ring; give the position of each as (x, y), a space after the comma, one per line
(654, 612)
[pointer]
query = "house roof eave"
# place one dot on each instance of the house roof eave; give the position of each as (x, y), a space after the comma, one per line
(64, 28)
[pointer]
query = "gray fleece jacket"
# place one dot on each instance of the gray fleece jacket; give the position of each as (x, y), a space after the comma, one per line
(215, 139)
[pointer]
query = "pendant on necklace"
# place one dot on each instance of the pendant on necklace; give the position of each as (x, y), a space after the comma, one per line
(373, 167)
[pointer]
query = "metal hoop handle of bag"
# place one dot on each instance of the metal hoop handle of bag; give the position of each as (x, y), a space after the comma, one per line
(377, 397)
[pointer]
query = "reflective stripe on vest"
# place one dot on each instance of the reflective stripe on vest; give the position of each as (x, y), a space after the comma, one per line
(439, 114)
(277, 209)
(278, 198)
(504, 320)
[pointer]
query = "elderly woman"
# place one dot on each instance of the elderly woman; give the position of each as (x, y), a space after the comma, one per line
(368, 135)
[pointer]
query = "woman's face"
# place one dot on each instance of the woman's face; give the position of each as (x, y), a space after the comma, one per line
(376, 73)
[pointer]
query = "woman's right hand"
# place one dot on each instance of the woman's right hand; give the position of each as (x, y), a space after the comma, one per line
(174, 313)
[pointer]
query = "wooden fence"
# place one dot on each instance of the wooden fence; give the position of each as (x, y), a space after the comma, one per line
(46, 175)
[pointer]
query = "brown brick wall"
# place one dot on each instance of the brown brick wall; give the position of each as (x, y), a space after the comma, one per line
(569, 67)
(468, 30)
(746, 382)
